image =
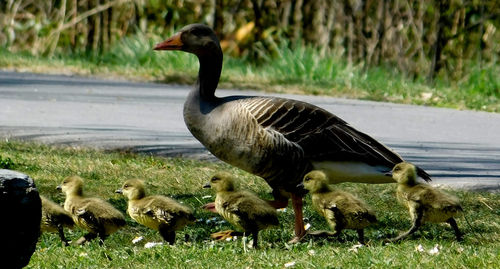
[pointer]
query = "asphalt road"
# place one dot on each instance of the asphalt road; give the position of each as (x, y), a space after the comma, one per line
(458, 148)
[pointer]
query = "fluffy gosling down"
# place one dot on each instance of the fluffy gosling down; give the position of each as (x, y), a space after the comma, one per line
(155, 212)
(242, 209)
(96, 216)
(425, 203)
(55, 218)
(341, 210)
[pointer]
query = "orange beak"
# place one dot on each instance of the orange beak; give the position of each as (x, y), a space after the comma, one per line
(173, 43)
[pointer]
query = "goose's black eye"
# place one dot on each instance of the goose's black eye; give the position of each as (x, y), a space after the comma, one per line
(214, 179)
(307, 179)
(125, 186)
(397, 168)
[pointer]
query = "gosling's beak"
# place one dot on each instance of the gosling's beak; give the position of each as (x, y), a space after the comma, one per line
(302, 189)
(389, 174)
(120, 191)
(173, 43)
(59, 187)
(207, 186)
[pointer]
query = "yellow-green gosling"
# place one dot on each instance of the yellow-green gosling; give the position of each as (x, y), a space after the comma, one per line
(425, 203)
(243, 209)
(155, 212)
(96, 216)
(55, 218)
(341, 210)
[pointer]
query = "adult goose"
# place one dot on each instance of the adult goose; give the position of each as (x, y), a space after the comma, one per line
(277, 139)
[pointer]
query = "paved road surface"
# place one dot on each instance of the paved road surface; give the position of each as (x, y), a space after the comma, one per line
(458, 148)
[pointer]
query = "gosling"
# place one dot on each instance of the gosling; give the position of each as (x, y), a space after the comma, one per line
(54, 219)
(155, 212)
(242, 209)
(341, 210)
(425, 203)
(96, 216)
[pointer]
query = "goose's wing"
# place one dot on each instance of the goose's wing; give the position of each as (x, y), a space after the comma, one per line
(99, 212)
(321, 135)
(87, 217)
(245, 207)
(160, 208)
(158, 213)
(426, 195)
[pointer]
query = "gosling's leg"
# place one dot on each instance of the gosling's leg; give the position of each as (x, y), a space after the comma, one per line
(337, 227)
(417, 222)
(454, 225)
(102, 237)
(255, 236)
(85, 238)
(61, 235)
(361, 236)
(168, 236)
(338, 232)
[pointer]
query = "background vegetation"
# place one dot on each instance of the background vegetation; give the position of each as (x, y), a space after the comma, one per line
(419, 37)
(419, 51)
(104, 172)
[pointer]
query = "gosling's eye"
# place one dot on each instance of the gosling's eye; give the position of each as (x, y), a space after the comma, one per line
(307, 179)
(397, 169)
(214, 179)
(126, 186)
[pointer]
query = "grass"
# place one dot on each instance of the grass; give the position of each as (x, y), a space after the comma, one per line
(302, 70)
(182, 179)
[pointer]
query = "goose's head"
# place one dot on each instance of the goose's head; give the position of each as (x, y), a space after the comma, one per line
(132, 189)
(404, 173)
(221, 182)
(71, 185)
(194, 38)
(315, 181)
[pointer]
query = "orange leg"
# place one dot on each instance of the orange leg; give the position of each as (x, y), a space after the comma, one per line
(299, 219)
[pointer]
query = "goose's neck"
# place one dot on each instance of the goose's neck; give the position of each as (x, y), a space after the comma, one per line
(323, 188)
(76, 192)
(209, 74)
(137, 195)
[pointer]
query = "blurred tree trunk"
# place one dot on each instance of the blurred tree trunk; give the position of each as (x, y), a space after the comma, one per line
(440, 42)
(218, 22)
(297, 20)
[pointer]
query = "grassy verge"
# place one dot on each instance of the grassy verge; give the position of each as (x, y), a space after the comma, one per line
(105, 171)
(302, 70)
